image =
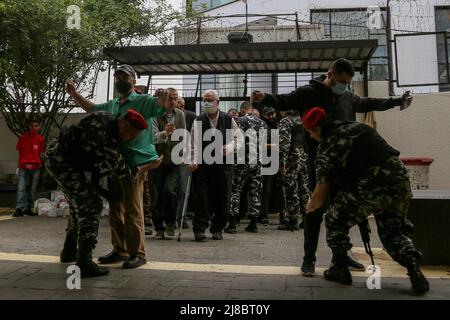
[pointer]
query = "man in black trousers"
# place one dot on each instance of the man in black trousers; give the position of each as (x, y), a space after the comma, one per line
(212, 175)
(331, 93)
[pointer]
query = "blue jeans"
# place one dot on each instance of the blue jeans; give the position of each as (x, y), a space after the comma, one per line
(26, 188)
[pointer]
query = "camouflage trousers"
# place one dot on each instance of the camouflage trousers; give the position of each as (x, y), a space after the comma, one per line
(295, 185)
(84, 200)
(242, 174)
(386, 194)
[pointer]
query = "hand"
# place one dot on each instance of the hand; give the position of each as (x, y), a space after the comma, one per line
(312, 205)
(152, 164)
(226, 151)
(270, 145)
(283, 170)
(168, 130)
(406, 100)
(161, 94)
(70, 88)
(192, 167)
(256, 96)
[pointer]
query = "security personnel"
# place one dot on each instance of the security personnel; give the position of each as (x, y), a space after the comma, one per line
(247, 173)
(126, 216)
(292, 165)
(331, 92)
(92, 146)
(371, 180)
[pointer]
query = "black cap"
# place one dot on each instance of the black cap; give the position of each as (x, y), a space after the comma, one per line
(267, 110)
(127, 69)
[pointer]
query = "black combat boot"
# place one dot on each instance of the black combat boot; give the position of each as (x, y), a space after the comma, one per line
(338, 271)
(418, 281)
(252, 225)
(69, 252)
(231, 228)
(291, 225)
(88, 267)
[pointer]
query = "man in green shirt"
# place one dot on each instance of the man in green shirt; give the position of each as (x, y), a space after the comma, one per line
(126, 211)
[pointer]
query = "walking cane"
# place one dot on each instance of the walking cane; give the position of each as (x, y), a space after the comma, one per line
(185, 204)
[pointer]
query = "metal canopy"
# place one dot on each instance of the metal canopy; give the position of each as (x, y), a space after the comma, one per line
(269, 57)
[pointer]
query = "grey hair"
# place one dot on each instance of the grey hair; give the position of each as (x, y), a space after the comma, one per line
(215, 93)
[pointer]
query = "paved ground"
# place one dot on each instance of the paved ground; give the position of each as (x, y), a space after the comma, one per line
(242, 266)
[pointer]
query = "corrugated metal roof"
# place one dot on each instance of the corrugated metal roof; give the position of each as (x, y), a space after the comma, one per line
(277, 57)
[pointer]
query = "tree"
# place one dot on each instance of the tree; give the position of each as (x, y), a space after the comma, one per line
(39, 51)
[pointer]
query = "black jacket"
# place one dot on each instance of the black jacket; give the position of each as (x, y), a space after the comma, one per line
(316, 94)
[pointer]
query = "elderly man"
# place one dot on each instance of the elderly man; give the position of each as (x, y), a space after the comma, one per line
(183, 168)
(126, 212)
(165, 179)
(371, 180)
(94, 146)
(212, 176)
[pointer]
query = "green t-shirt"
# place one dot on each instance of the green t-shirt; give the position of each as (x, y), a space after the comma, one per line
(140, 150)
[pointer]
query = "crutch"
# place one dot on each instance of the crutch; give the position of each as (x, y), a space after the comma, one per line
(185, 204)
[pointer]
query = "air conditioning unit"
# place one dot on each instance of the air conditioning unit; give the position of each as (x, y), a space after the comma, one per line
(240, 37)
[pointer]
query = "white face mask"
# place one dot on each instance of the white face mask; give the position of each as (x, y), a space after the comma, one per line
(209, 107)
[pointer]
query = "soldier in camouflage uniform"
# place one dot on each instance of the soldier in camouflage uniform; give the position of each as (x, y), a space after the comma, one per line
(371, 180)
(293, 170)
(247, 172)
(92, 146)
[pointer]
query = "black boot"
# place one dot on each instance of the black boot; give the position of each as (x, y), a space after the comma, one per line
(338, 271)
(418, 281)
(69, 252)
(252, 225)
(88, 267)
(291, 225)
(231, 228)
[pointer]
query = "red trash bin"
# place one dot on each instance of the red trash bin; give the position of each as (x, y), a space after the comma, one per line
(419, 171)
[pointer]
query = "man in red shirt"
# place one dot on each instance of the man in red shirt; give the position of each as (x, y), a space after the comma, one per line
(30, 146)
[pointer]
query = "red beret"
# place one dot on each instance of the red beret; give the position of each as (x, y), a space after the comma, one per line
(312, 117)
(136, 119)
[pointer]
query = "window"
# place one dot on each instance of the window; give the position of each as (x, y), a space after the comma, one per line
(344, 24)
(442, 18)
(203, 5)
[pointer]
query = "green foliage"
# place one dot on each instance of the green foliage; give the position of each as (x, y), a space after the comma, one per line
(38, 52)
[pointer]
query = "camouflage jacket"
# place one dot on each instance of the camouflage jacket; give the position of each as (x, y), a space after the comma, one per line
(289, 144)
(93, 146)
(246, 123)
(348, 150)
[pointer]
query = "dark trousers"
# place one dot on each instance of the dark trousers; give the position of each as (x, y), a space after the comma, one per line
(212, 194)
(313, 220)
(266, 196)
(164, 195)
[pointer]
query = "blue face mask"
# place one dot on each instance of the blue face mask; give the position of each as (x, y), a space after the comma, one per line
(339, 88)
(209, 107)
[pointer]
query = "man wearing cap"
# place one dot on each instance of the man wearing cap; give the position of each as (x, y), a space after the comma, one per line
(93, 146)
(330, 92)
(126, 212)
(371, 180)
